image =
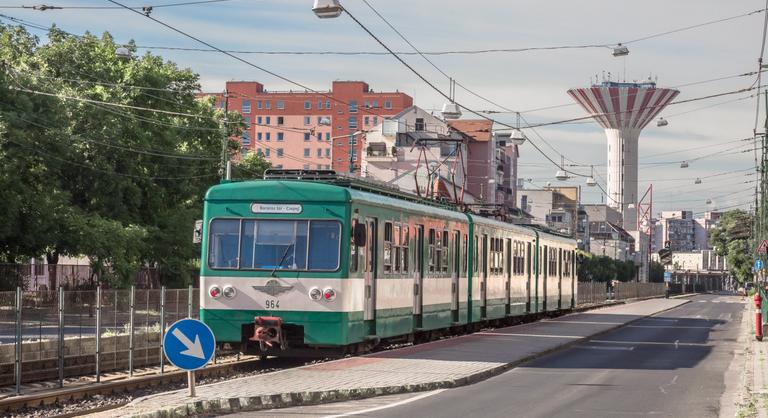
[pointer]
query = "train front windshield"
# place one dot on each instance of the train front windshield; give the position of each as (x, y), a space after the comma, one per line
(270, 244)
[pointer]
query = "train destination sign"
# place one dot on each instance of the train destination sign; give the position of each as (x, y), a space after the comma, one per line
(293, 209)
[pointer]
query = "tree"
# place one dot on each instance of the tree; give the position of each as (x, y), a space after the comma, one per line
(730, 239)
(250, 167)
(92, 174)
(657, 272)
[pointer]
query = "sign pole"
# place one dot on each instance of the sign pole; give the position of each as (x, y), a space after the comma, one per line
(191, 383)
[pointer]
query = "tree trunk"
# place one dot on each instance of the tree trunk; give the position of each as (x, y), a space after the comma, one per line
(52, 257)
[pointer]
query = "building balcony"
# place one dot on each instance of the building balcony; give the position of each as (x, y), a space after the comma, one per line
(379, 151)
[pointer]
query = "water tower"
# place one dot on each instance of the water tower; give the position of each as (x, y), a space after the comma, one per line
(623, 110)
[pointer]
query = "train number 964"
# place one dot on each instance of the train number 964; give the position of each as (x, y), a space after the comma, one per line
(272, 304)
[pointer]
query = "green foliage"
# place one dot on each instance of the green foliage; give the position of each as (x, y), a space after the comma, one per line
(730, 239)
(657, 272)
(250, 167)
(119, 185)
(603, 269)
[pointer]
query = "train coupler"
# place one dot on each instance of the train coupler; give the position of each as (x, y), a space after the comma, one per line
(268, 331)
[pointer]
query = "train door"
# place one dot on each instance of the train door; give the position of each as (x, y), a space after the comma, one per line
(418, 278)
(484, 282)
(545, 273)
(559, 278)
(528, 277)
(369, 309)
(573, 279)
(508, 274)
(455, 276)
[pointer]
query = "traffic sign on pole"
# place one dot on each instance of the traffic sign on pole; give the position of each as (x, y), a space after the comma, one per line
(763, 248)
(758, 265)
(189, 344)
(667, 276)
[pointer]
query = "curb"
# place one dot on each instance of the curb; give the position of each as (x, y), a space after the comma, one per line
(295, 399)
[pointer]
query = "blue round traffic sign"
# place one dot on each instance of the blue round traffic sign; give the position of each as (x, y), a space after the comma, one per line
(189, 344)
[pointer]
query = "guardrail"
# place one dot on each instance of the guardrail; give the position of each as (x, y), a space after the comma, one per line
(57, 334)
(598, 292)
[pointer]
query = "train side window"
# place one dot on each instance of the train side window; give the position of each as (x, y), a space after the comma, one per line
(396, 248)
(475, 255)
(552, 258)
(354, 251)
(444, 266)
(438, 251)
(388, 247)
(464, 255)
(405, 242)
(432, 237)
(567, 264)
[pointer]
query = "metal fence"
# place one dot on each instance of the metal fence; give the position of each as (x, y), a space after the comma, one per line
(44, 277)
(592, 292)
(48, 335)
(632, 290)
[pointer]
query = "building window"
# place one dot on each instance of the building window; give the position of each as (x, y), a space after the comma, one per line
(353, 106)
(307, 105)
(319, 104)
(259, 153)
(328, 104)
(222, 104)
(281, 104)
(307, 120)
(367, 104)
(327, 153)
(419, 124)
(327, 166)
(353, 122)
(247, 121)
(375, 104)
(306, 136)
(387, 104)
(320, 120)
(280, 120)
(258, 120)
(352, 140)
(375, 120)
(319, 136)
(268, 104)
(266, 152)
(259, 104)
(258, 136)
(280, 136)
(327, 136)
(268, 136)
(279, 153)
(268, 120)
(306, 166)
(245, 139)
(279, 166)
(319, 153)
(306, 152)
(246, 106)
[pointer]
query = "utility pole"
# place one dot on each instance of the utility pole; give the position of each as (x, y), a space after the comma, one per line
(225, 140)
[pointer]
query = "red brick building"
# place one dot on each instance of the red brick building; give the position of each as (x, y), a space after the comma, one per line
(299, 129)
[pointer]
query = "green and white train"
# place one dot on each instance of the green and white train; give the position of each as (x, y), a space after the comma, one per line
(293, 266)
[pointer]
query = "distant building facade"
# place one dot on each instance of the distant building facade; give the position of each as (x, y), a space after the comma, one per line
(308, 130)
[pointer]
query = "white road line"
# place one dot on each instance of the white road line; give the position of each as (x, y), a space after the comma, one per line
(498, 334)
(666, 326)
(606, 347)
(392, 405)
(583, 322)
(676, 344)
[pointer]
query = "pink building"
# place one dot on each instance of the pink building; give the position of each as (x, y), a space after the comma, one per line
(305, 130)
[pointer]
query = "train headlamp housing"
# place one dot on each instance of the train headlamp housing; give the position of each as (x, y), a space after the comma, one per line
(214, 291)
(229, 292)
(315, 293)
(329, 294)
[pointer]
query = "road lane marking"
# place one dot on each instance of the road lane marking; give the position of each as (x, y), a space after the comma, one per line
(498, 334)
(666, 326)
(392, 405)
(584, 322)
(598, 347)
(672, 382)
(651, 343)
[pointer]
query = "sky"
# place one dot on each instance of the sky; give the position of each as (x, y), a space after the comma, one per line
(521, 81)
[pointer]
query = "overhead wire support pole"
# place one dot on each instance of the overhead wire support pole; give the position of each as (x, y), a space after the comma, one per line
(225, 137)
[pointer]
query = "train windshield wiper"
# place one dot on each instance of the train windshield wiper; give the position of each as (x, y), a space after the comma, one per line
(279, 263)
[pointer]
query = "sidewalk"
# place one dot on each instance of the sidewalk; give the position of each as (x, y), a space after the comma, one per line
(751, 398)
(441, 364)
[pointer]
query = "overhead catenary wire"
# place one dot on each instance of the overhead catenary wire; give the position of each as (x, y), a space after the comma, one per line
(45, 7)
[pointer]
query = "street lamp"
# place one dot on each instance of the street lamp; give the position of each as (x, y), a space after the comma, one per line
(327, 9)
(123, 53)
(518, 137)
(620, 51)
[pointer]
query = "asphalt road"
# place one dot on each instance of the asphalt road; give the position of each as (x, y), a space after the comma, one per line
(672, 364)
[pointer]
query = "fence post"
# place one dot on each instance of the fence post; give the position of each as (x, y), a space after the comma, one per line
(98, 333)
(61, 337)
(132, 302)
(18, 358)
(162, 328)
(189, 301)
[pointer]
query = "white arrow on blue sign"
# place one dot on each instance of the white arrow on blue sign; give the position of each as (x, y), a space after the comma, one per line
(758, 264)
(189, 344)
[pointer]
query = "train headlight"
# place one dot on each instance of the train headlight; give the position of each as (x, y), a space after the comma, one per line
(315, 293)
(215, 292)
(229, 292)
(329, 294)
